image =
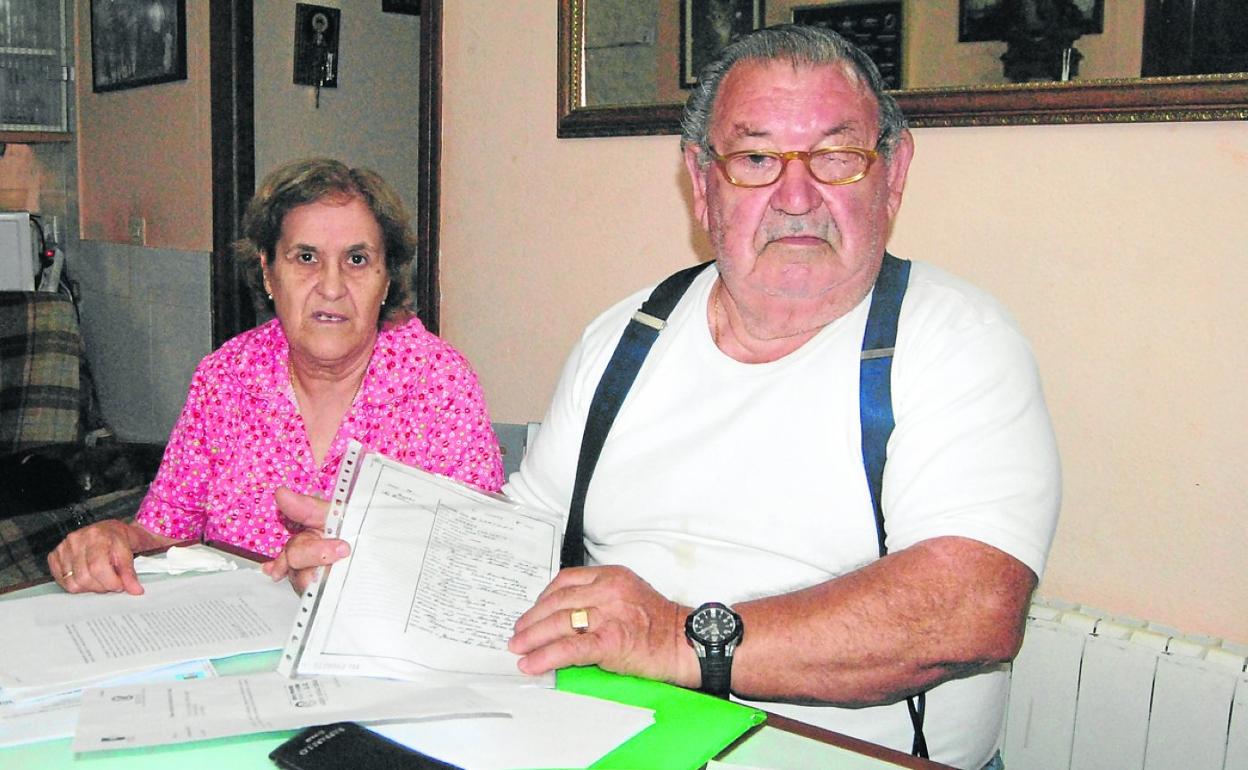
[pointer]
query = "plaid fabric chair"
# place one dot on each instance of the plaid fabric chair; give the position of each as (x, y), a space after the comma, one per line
(47, 407)
(41, 362)
(27, 539)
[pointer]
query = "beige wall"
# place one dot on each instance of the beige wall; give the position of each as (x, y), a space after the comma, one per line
(1120, 249)
(146, 152)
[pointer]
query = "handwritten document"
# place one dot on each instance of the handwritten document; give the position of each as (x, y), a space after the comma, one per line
(60, 642)
(438, 574)
(157, 714)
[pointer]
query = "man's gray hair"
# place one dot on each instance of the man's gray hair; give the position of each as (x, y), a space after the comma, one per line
(798, 45)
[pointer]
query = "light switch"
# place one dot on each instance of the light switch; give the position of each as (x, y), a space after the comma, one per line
(138, 231)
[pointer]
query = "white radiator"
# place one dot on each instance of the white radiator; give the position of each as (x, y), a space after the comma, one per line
(1091, 691)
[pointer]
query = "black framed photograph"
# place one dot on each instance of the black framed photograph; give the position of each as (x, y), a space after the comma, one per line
(137, 43)
(410, 7)
(980, 20)
(707, 26)
(876, 28)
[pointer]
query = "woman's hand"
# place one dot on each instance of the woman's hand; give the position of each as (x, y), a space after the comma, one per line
(99, 558)
(308, 550)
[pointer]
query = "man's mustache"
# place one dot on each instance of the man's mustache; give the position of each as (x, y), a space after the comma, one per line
(800, 227)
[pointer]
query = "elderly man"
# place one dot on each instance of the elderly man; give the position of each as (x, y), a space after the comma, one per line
(736, 540)
(734, 471)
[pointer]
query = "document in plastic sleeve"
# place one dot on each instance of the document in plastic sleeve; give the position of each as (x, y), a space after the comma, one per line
(437, 576)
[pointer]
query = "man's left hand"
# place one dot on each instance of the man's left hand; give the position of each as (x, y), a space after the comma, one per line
(632, 629)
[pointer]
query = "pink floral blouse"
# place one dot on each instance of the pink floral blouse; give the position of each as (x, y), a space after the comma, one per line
(240, 435)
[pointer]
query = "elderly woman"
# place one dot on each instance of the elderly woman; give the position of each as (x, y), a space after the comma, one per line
(328, 246)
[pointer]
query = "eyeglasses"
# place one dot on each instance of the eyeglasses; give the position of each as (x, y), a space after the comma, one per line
(830, 165)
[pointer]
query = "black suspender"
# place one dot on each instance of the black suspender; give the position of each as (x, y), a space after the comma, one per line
(875, 405)
(875, 390)
(875, 410)
(639, 336)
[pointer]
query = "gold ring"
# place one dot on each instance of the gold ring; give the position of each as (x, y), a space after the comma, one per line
(580, 620)
(67, 574)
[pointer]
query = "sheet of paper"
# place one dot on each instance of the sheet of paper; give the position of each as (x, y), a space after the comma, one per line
(56, 716)
(154, 715)
(60, 642)
(548, 728)
(437, 576)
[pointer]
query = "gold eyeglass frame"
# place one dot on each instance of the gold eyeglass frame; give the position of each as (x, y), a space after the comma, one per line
(871, 156)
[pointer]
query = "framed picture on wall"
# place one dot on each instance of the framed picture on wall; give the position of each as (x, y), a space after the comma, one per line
(876, 28)
(991, 19)
(410, 7)
(706, 26)
(137, 43)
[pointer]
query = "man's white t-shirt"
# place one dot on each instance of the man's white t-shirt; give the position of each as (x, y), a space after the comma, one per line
(723, 481)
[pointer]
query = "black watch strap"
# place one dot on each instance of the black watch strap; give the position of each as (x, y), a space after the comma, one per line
(716, 673)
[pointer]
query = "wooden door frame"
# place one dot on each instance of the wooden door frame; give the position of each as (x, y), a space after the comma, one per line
(232, 75)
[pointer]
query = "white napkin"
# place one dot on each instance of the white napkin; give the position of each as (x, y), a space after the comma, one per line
(180, 559)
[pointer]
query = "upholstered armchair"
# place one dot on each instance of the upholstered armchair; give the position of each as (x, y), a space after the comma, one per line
(60, 467)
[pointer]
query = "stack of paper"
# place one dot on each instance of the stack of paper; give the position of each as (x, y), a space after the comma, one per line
(155, 715)
(57, 644)
(61, 642)
(55, 716)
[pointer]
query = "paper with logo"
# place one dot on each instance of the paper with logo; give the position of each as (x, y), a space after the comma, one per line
(437, 576)
(56, 716)
(154, 715)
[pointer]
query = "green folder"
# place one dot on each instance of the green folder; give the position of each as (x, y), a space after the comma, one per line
(689, 728)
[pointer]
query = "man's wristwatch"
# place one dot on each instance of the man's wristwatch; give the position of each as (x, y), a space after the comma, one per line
(714, 631)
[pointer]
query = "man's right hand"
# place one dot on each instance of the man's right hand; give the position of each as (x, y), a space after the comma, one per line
(308, 550)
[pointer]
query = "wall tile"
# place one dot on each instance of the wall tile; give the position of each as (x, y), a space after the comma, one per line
(117, 349)
(101, 268)
(172, 277)
(147, 322)
(178, 338)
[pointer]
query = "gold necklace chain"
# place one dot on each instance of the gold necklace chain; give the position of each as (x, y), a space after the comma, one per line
(718, 311)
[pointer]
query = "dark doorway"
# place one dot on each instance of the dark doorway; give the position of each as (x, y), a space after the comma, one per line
(233, 161)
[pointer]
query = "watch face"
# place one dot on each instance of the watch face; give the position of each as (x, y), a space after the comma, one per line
(714, 624)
